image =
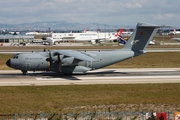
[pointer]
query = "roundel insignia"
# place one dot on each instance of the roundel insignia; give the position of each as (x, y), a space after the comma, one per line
(140, 33)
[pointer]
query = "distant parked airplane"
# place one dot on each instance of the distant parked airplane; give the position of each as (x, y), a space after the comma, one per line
(52, 41)
(36, 33)
(174, 38)
(14, 33)
(174, 32)
(90, 36)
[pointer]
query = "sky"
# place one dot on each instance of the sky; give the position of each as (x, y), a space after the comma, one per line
(111, 12)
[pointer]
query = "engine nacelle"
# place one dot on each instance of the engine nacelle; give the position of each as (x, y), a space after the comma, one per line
(69, 61)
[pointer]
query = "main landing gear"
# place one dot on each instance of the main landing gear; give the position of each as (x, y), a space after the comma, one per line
(24, 72)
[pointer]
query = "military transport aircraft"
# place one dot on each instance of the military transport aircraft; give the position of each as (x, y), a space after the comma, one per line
(79, 62)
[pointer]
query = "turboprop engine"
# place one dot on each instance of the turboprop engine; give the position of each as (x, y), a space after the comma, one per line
(65, 64)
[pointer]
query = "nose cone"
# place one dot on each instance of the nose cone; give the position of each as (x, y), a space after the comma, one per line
(8, 63)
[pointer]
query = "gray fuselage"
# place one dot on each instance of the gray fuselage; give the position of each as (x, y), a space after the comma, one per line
(37, 61)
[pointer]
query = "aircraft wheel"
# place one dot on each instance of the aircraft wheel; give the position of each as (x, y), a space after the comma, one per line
(24, 72)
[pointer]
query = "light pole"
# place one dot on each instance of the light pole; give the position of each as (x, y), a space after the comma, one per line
(105, 32)
(163, 34)
(98, 31)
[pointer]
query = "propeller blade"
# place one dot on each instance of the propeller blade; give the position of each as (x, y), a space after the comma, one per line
(59, 62)
(49, 59)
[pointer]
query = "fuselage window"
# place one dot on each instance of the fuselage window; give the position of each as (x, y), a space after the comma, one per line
(33, 58)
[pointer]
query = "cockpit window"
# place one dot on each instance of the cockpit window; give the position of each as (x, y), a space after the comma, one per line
(15, 57)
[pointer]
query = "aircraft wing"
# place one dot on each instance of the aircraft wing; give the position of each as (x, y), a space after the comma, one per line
(76, 54)
(177, 39)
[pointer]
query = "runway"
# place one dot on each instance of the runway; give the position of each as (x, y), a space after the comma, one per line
(101, 76)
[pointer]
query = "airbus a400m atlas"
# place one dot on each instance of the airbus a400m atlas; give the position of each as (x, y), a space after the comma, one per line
(79, 62)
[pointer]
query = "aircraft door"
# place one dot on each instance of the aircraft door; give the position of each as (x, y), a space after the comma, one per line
(28, 66)
(88, 64)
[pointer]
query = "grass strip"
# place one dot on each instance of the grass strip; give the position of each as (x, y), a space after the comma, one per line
(50, 99)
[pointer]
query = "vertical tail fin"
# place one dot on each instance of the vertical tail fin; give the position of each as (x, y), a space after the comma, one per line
(119, 33)
(121, 40)
(141, 36)
(174, 31)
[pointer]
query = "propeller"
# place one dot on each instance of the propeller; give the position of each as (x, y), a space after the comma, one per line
(50, 58)
(55, 58)
(59, 60)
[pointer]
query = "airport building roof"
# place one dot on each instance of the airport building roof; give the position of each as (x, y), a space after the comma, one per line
(16, 36)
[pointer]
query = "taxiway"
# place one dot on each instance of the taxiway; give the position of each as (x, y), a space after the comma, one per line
(101, 76)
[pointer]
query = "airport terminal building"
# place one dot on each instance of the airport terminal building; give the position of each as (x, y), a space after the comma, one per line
(16, 38)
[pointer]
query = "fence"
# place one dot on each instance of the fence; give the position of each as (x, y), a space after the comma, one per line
(85, 116)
